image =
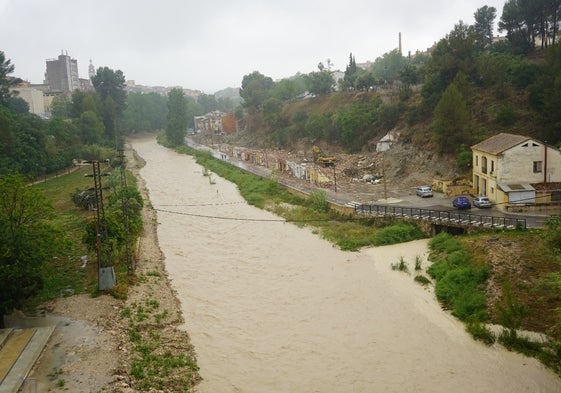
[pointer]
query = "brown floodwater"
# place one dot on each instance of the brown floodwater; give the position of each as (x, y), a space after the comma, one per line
(271, 307)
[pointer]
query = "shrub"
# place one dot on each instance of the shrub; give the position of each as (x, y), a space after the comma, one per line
(399, 233)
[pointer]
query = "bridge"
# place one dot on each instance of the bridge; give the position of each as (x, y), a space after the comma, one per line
(443, 220)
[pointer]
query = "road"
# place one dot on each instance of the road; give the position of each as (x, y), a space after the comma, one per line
(439, 202)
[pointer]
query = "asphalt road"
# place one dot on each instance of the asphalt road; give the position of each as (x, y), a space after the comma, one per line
(438, 202)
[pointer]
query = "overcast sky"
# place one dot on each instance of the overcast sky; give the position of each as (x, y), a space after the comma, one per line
(209, 45)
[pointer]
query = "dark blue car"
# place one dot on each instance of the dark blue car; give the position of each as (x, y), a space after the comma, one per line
(461, 202)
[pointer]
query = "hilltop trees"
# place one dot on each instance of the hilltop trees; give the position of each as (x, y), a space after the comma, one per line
(484, 24)
(320, 82)
(255, 90)
(527, 21)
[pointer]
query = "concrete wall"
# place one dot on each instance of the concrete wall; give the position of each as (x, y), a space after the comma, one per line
(516, 165)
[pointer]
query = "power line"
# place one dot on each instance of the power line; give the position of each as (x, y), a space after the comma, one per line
(203, 204)
(256, 219)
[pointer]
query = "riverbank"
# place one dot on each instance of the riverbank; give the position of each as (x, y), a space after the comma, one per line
(91, 349)
(273, 307)
(345, 319)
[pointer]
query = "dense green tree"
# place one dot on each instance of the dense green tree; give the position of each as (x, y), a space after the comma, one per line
(110, 85)
(145, 112)
(61, 106)
(91, 128)
(451, 125)
(17, 104)
(320, 82)
(551, 95)
(457, 52)
(272, 113)
(348, 81)
(256, 88)
(364, 80)
(176, 125)
(388, 67)
(6, 82)
(27, 239)
(484, 25)
(287, 90)
(354, 124)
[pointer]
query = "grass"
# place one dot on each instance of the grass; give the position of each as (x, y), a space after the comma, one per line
(462, 276)
(460, 283)
(401, 265)
(347, 232)
(156, 365)
(65, 273)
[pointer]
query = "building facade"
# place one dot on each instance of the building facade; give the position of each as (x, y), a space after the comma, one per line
(62, 74)
(509, 169)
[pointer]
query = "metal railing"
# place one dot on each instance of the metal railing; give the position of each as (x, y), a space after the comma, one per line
(453, 217)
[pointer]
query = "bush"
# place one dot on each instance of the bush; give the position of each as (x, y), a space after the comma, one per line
(399, 233)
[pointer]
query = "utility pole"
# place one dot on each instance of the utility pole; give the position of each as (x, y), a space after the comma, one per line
(106, 278)
(125, 209)
(384, 176)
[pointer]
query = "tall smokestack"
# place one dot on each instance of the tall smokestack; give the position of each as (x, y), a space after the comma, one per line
(400, 52)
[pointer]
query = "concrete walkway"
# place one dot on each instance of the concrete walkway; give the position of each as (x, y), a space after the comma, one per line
(19, 350)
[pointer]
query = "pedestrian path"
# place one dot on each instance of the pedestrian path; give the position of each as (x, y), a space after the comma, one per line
(19, 350)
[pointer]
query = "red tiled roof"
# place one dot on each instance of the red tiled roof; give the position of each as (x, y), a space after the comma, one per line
(499, 143)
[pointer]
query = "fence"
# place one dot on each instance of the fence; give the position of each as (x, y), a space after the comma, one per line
(444, 217)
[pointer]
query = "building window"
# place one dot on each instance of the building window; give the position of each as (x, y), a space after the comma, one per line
(484, 164)
(537, 167)
(492, 166)
(476, 160)
(492, 190)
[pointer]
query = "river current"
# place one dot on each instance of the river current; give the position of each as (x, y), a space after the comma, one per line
(271, 307)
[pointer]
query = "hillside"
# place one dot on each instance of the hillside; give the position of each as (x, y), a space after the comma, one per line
(411, 160)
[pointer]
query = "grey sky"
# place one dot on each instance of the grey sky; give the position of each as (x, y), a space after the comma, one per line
(211, 44)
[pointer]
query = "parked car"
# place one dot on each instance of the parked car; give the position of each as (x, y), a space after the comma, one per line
(424, 191)
(461, 202)
(482, 202)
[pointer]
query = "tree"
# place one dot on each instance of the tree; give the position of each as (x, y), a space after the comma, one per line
(348, 82)
(145, 112)
(451, 123)
(387, 67)
(483, 27)
(255, 90)
(176, 125)
(320, 82)
(91, 128)
(272, 113)
(6, 68)
(110, 85)
(287, 90)
(27, 239)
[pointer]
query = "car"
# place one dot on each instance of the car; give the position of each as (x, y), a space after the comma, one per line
(424, 191)
(461, 202)
(482, 202)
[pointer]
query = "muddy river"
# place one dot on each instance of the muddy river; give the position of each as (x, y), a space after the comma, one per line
(271, 307)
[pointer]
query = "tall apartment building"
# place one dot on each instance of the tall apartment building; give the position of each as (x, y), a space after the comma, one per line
(62, 74)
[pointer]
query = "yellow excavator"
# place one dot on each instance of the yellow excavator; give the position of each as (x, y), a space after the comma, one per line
(321, 159)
